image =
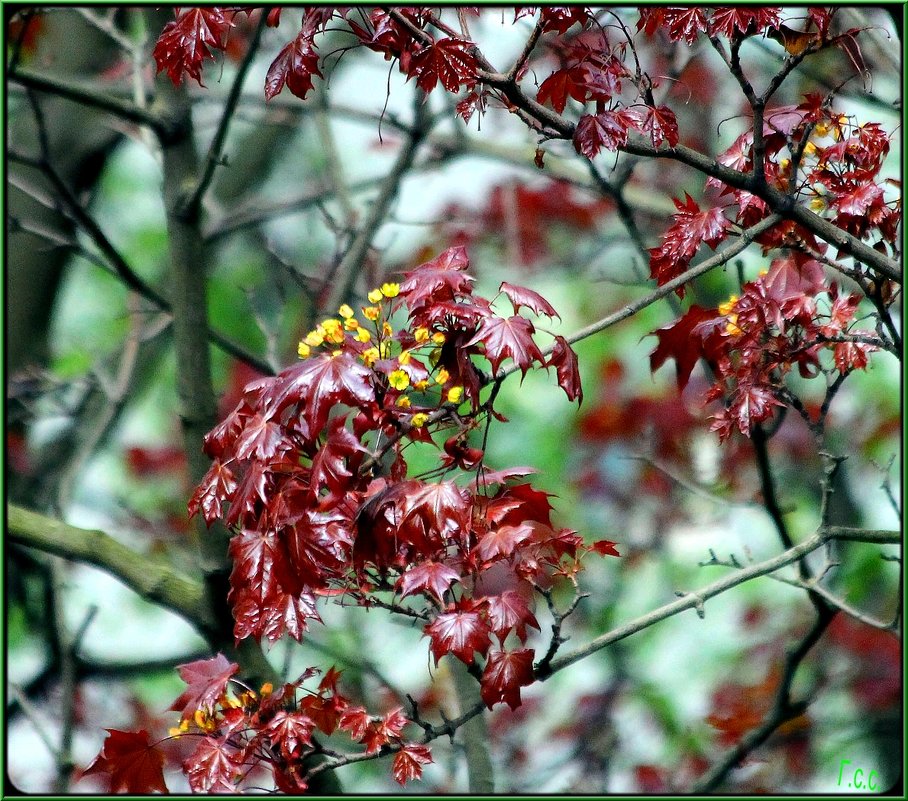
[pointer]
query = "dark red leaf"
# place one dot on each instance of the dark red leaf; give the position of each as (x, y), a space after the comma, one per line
(183, 44)
(678, 341)
(459, 633)
(606, 130)
(408, 762)
(216, 488)
(521, 296)
(500, 542)
(294, 67)
(441, 279)
(447, 60)
(432, 577)
(567, 368)
(291, 732)
(661, 124)
(214, 767)
(355, 720)
(507, 611)
(206, 679)
(512, 337)
(605, 548)
(505, 673)
(319, 384)
(132, 764)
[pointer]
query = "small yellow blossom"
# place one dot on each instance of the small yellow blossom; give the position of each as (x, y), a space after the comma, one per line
(784, 164)
(817, 203)
(420, 386)
(404, 402)
(267, 688)
(204, 722)
(404, 357)
(419, 419)
(732, 326)
(363, 335)
(176, 731)
(821, 128)
(810, 149)
(336, 353)
(314, 339)
(345, 311)
(421, 335)
(725, 308)
(371, 312)
(443, 376)
(351, 323)
(386, 329)
(399, 380)
(384, 349)
(374, 296)
(389, 290)
(762, 272)
(455, 394)
(303, 350)
(369, 356)
(438, 338)
(333, 331)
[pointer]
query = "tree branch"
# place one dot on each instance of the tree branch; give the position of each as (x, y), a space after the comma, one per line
(215, 151)
(726, 254)
(147, 576)
(695, 600)
(87, 96)
(352, 262)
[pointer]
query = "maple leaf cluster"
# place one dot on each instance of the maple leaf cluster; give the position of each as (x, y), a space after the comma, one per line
(310, 471)
(786, 318)
(240, 731)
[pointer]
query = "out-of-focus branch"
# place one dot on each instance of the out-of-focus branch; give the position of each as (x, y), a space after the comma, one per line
(215, 152)
(93, 98)
(147, 576)
(345, 275)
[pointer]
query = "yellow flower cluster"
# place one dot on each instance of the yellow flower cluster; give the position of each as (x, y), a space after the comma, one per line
(727, 309)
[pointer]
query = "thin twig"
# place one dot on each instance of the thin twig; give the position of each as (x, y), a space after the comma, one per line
(215, 151)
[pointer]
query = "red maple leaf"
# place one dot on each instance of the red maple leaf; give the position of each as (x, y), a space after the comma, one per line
(562, 84)
(132, 764)
(507, 611)
(447, 60)
(443, 278)
(290, 731)
(294, 67)
(184, 43)
(325, 711)
(606, 130)
(605, 548)
(355, 720)
(679, 342)
(661, 124)
(206, 679)
(501, 542)
(320, 383)
(567, 368)
(214, 767)
(432, 577)
(217, 486)
(504, 337)
(460, 632)
(696, 226)
(739, 19)
(505, 673)
(521, 296)
(408, 762)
